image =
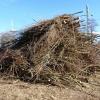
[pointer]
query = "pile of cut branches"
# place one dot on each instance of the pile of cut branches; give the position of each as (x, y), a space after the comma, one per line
(52, 52)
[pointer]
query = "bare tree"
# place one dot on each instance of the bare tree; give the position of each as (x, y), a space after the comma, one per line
(92, 25)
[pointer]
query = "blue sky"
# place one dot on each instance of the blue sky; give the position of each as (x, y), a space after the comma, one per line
(22, 12)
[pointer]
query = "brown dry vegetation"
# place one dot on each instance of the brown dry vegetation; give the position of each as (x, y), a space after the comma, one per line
(53, 52)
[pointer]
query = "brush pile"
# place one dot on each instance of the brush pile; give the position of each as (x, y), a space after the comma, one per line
(52, 52)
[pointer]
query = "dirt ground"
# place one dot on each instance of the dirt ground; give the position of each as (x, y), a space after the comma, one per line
(17, 90)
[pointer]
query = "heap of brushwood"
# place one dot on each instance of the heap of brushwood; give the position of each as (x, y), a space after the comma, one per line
(52, 52)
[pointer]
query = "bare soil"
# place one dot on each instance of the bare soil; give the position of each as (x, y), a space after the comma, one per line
(18, 90)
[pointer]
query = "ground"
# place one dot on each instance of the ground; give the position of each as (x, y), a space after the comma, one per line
(18, 90)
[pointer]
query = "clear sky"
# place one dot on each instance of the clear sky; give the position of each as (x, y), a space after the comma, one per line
(22, 12)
